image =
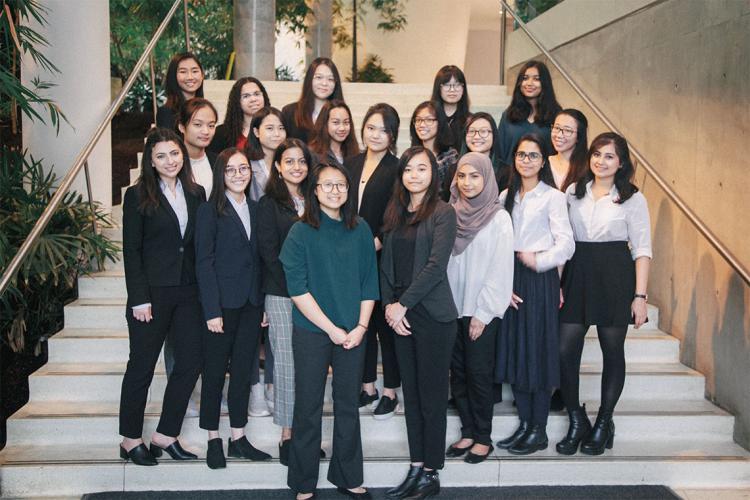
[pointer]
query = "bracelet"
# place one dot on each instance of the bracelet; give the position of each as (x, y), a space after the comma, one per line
(363, 326)
(641, 296)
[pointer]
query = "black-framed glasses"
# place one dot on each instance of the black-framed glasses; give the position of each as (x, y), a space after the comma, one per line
(451, 86)
(565, 131)
(481, 132)
(233, 171)
(425, 121)
(327, 187)
(533, 156)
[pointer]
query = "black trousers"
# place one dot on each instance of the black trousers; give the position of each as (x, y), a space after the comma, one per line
(424, 358)
(380, 329)
(230, 350)
(176, 308)
(472, 380)
(533, 407)
(313, 354)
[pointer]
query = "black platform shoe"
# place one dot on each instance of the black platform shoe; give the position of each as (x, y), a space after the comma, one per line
(506, 443)
(242, 448)
(215, 454)
(139, 455)
(427, 485)
(601, 436)
(407, 485)
(577, 430)
(174, 450)
(534, 440)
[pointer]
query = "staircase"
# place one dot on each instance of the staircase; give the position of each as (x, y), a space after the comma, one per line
(65, 442)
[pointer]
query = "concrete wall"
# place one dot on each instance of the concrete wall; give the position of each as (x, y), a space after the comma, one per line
(674, 79)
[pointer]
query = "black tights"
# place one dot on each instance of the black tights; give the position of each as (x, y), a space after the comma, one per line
(612, 343)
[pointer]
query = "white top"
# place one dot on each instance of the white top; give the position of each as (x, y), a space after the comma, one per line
(541, 225)
(260, 178)
(203, 174)
(604, 220)
(177, 202)
(481, 277)
(242, 210)
(299, 205)
(559, 177)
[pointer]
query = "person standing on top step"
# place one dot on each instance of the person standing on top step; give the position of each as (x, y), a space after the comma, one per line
(334, 140)
(184, 81)
(247, 97)
(228, 272)
(605, 284)
(157, 246)
(450, 93)
(373, 175)
(429, 128)
(322, 83)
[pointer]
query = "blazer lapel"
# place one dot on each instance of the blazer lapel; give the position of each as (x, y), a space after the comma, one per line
(192, 203)
(168, 208)
(236, 218)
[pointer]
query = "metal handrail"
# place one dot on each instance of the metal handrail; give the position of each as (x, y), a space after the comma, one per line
(82, 157)
(674, 197)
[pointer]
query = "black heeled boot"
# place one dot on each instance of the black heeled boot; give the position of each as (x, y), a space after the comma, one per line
(215, 458)
(578, 429)
(601, 436)
(427, 485)
(506, 443)
(534, 440)
(407, 485)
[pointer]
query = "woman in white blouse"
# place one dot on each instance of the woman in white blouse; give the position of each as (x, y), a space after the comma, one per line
(480, 273)
(527, 348)
(605, 283)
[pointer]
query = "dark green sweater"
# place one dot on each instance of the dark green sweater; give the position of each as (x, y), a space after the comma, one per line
(335, 264)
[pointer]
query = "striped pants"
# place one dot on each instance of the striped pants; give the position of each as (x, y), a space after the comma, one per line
(279, 313)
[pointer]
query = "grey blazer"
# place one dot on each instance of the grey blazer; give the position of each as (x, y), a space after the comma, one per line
(432, 249)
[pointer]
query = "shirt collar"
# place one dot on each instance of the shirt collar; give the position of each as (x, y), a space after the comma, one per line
(538, 190)
(237, 205)
(164, 188)
(612, 191)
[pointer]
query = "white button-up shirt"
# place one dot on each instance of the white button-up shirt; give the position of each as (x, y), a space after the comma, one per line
(177, 202)
(604, 220)
(242, 210)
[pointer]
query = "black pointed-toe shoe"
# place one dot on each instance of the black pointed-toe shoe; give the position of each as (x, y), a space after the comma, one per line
(242, 448)
(174, 450)
(138, 455)
(454, 451)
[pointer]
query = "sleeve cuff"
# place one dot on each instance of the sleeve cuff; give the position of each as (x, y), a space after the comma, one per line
(141, 306)
(484, 316)
(641, 252)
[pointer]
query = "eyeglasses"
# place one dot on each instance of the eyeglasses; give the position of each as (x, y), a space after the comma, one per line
(327, 187)
(424, 121)
(451, 86)
(233, 171)
(566, 132)
(533, 156)
(481, 132)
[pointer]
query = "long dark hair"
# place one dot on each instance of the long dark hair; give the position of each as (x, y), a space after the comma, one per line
(148, 183)
(578, 162)
(547, 106)
(275, 186)
(306, 103)
(444, 137)
(623, 176)
(192, 106)
(254, 150)
(234, 117)
(172, 88)
(218, 196)
(502, 171)
(397, 212)
(312, 205)
(391, 123)
(545, 174)
(321, 140)
(444, 75)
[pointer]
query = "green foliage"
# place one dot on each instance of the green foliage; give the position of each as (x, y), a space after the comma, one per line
(285, 74)
(31, 308)
(529, 9)
(373, 71)
(292, 13)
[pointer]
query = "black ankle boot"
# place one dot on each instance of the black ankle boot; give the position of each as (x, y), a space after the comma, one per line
(601, 436)
(215, 458)
(535, 439)
(577, 431)
(428, 485)
(506, 443)
(406, 487)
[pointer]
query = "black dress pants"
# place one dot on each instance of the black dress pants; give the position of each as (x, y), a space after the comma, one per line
(380, 329)
(230, 350)
(533, 407)
(424, 358)
(175, 308)
(472, 380)
(313, 354)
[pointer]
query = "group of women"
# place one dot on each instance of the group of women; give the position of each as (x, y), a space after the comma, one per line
(480, 256)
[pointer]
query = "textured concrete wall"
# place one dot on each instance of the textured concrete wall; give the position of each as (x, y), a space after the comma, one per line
(254, 38)
(674, 78)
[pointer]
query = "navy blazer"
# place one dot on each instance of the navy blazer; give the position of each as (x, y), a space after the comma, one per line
(227, 263)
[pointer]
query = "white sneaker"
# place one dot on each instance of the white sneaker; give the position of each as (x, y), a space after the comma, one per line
(258, 407)
(269, 397)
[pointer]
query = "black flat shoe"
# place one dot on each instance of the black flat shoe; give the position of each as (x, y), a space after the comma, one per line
(453, 451)
(407, 485)
(138, 455)
(506, 443)
(243, 449)
(215, 455)
(427, 485)
(174, 450)
(314, 495)
(473, 458)
(364, 495)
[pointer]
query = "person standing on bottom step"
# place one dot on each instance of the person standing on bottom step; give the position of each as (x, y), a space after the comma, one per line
(528, 353)
(605, 284)
(480, 272)
(419, 233)
(228, 271)
(331, 274)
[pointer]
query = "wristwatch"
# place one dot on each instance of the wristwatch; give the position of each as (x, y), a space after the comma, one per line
(641, 296)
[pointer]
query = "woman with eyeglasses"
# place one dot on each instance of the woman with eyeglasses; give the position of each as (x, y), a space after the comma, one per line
(429, 128)
(322, 83)
(184, 81)
(331, 274)
(570, 141)
(373, 174)
(228, 272)
(528, 346)
(481, 137)
(247, 97)
(451, 95)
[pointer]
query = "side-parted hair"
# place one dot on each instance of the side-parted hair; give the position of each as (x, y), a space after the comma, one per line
(192, 106)
(391, 122)
(253, 150)
(321, 140)
(218, 196)
(444, 137)
(545, 174)
(312, 205)
(444, 75)
(502, 171)
(172, 88)
(547, 105)
(148, 183)
(234, 117)
(623, 176)
(578, 159)
(275, 186)
(397, 212)
(306, 103)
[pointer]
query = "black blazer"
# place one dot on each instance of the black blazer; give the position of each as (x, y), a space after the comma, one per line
(290, 124)
(378, 190)
(221, 141)
(166, 118)
(154, 252)
(432, 249)
(227, 263)
(274, 222)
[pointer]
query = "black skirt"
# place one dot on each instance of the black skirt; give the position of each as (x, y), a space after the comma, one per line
(528, 352)
(599, 284)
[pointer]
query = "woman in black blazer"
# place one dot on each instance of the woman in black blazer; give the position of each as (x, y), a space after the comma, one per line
(420, 230)
(228, 271)
(373, 174)
(158, 222)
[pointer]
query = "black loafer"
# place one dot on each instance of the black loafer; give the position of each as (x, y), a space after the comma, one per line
(386, 408)
(138, 455)
(362, 496)
(454, 452)
(473, 458)
(174, 450)
(242, 448)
